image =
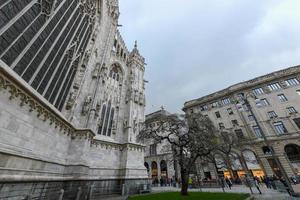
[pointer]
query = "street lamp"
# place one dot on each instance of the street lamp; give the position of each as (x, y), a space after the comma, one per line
(267, 142)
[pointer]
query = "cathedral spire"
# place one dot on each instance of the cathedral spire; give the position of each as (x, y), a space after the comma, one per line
(135, 44)
(136, 54)
(135, 49)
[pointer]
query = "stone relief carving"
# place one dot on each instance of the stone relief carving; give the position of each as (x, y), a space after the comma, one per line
(71, 101)
(86, 105)
(136, 96)
(128, 96)
(98, 108)
(141, 99)
(113, 8)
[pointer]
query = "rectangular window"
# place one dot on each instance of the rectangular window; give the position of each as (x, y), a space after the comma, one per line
(221, 125)
(226, 101)
(229, 110)
(204, 108)
(258, 91)
(218, 114)
(257, 131)
(240, 96)
(214, 104)
(279, 128)
(298, 92)
(251, 117)
(274, 86)
(297, 122)
(291, 110)
(239, 134)
(234, 122)
(282, 98)
(153, 149)
(272, 114)
(263, 103)
(291, 82)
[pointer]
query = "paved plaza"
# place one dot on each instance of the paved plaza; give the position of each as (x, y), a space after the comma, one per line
(266, 193)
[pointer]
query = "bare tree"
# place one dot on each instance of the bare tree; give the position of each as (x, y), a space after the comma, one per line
(191, 137)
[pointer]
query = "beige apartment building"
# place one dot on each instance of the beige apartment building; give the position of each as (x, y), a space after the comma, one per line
(275, 102)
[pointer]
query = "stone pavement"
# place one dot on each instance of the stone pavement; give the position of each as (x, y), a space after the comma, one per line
(115, 197)
(268, 194)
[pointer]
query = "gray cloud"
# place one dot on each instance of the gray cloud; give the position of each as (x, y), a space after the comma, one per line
(196, 47)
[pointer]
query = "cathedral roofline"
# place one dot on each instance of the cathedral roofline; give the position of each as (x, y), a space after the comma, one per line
(136, 54)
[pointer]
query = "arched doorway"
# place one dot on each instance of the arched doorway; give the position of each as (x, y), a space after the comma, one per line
(252, 163)
(293, 154)
(221, 166)
(163, 171)
(236, 166)
(154, 173)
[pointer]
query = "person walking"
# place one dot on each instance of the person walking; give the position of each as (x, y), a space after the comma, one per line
(228, 182)
(256, 183)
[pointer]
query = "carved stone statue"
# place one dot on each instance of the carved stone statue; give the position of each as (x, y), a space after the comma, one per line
(71, 101)
(86, 105)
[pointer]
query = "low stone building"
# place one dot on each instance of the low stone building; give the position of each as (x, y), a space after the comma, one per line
(72, 101)
(159, 160)
(275, 102)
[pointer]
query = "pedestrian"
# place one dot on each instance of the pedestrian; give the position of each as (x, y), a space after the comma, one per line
(256, 183)
(228, 182)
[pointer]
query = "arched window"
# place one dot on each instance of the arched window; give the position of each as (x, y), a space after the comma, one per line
(115, 72)
(102, 119)
(111, 121)
(293, 152)
(163, 169)
(106, 118)
(154, 170)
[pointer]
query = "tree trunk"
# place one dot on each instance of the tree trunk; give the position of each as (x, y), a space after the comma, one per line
(184, 182)
(229, 167)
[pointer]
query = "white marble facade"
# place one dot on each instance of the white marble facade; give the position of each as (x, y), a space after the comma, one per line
(93, 137)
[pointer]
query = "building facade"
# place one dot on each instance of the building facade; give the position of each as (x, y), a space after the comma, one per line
(159, 160)
(275, 102)
(72, 101)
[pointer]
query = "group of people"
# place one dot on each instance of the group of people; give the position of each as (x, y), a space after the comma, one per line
(163, 181)
(273, 182)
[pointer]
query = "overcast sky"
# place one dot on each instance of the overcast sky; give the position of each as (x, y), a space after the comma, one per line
(196, 47)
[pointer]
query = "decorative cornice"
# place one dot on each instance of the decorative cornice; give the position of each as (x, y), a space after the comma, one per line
(243, 86)
(117, 146)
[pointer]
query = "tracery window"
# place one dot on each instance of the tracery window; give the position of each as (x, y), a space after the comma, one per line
(115, 73)
(109, 111)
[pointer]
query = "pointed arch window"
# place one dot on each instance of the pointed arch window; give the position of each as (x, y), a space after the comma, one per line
(115, 72)
(111, 122)
(102, 119)
(106, 118)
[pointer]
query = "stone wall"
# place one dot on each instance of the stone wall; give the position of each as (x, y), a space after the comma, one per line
(69, 190)
(42, 154)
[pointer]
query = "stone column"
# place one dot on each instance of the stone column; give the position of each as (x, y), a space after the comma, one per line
(267, 167)
(286, 166)
(158, 170)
